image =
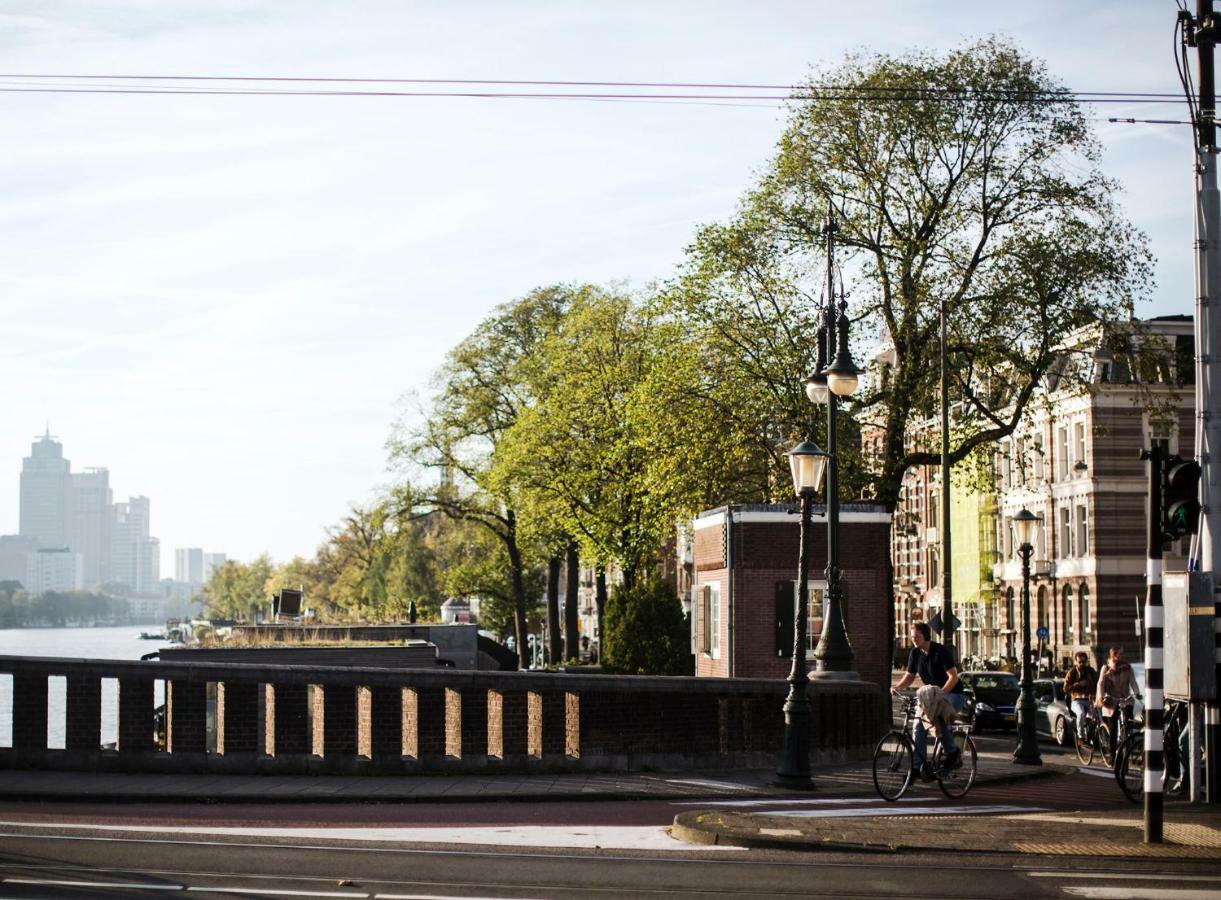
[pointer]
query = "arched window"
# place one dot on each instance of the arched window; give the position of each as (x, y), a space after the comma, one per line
(1067, 614)
(1086, 619)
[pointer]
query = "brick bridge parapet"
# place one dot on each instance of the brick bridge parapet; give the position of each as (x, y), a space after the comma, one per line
(244, 718)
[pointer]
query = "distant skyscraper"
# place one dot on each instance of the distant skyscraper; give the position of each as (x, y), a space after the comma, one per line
(53, 570)
(189, 565)
(89, 532)
(136, 557)
(212, 562)
(46, 493)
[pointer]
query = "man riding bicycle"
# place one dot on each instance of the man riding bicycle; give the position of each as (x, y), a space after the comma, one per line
(1080, 682)
(935, 665)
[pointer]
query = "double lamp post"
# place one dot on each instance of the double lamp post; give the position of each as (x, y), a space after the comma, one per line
(833, 655)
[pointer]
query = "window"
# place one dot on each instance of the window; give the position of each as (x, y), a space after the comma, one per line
(786, 605)
(1066, 532)
(1062, 450)
(714, 621)
(1079, 441)
(1067, 614)
(1083, 530)
(1084, 618)
(1041, 609)
(1010, 615)
(934, 569)
(1037, 453)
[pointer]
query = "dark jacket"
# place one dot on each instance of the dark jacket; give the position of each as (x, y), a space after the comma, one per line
(1080, 682)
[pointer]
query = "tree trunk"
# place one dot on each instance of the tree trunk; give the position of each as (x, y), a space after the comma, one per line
(600, 601)
(555, 642)
(572, 587)
(519, 590)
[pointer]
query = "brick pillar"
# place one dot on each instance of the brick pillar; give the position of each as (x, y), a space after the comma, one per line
(237, 718)
(30, 712)
(339, 726)
(426, 723)
(546, 724)
(508, 724)
(386, 726)
(292, 725)
(135, 715)
(186, 705)
(83, 715)
(466, 724)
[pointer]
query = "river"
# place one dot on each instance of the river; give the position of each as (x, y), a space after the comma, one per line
(119, 642)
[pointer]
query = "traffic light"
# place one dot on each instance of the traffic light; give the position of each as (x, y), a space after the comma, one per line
(1180, 498)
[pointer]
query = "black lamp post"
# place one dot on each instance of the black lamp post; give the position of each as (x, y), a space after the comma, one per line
(1027, 752)
(807, 462)
(828, 383)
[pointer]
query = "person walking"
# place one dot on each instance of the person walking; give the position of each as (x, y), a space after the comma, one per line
(1080, 683)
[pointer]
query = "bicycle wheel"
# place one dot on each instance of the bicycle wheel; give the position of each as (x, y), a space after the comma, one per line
(892, 765)
(957, 781)
(1106, 746)
(1130, 767)
(1085, 744)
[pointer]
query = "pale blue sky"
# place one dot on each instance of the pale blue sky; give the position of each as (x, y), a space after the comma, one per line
(221, 298)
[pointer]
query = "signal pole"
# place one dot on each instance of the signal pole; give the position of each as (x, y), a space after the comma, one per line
(1202, 33)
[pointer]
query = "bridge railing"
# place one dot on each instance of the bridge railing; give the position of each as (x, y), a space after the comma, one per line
(244, 718)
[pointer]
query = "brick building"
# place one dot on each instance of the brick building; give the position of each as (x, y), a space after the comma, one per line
(745, 567)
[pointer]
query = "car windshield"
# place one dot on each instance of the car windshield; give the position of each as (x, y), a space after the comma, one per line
(990, 681)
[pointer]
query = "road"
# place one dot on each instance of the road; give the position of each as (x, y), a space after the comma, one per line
(531, 850)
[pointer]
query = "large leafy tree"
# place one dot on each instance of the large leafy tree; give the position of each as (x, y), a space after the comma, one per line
(969, 180)
(482, 388)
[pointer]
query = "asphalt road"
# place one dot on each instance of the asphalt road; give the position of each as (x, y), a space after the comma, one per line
(532, 850)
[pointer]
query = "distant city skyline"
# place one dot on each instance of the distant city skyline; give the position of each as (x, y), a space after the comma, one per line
(223, 298)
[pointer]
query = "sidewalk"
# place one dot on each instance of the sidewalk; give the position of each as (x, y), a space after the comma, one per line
(1189, 832)
(113, 787)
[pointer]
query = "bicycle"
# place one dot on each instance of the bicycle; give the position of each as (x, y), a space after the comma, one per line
(1130, 758)
(1086, 738)
(1098, 739)
(893, 768)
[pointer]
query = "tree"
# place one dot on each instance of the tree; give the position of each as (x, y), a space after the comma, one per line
(238, 590)
(480, 391)
(646, 631)
(969, 180)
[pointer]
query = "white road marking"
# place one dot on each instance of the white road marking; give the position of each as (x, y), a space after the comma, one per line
(600, 837)
(1127, 892)
(701, 782)
(826, 801)
(1097, 773)
(273, 892)
(902, 811)
(49, 882)
(440, 897)
(1126, 876)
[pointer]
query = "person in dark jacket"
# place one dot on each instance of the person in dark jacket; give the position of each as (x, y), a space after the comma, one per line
(935, 665)
(1080, 682)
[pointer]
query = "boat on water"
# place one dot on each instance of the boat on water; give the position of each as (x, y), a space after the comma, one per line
(152, 636)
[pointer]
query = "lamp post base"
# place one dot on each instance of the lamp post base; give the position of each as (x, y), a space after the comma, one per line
(830, 675)
(1027, 759)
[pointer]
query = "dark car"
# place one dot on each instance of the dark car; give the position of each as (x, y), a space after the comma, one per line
(991, 696)
(1055, 718)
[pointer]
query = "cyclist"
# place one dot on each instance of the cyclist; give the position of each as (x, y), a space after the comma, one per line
(935, 665)
(1115, 685)
(1080, 682)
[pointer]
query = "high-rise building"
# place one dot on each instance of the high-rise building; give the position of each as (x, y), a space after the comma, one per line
(46, 493)
(89, 532)
(53, 569)
(135, 557)
(212, 562)
(188, 566)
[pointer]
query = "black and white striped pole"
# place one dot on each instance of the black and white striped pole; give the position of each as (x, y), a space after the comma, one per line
(1154, 758)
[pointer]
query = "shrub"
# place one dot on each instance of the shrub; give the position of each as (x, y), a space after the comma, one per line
(646, 631)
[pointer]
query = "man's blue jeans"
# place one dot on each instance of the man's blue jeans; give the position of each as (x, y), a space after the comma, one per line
(921, 733)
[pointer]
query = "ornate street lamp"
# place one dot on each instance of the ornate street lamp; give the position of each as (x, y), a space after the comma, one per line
(807, 462)
(1027, 751)
(841, 376)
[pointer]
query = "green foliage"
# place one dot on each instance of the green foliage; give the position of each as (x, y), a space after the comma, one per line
(646, 631)
(238, 590)
(18, 609)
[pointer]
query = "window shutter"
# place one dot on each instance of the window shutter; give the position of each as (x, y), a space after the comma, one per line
(785, 612)
(705, 619)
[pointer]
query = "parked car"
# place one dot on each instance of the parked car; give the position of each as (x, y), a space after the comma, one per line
(1055, 719)
(991, 697)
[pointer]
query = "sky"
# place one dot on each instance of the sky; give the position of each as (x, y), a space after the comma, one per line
(228, 300)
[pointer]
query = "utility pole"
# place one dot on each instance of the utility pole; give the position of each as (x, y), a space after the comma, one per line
(947, 602)
(1202, 34)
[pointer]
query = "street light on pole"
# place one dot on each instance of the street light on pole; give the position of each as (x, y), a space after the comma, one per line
(807, 462)
(828, 383)
(1027, 751)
